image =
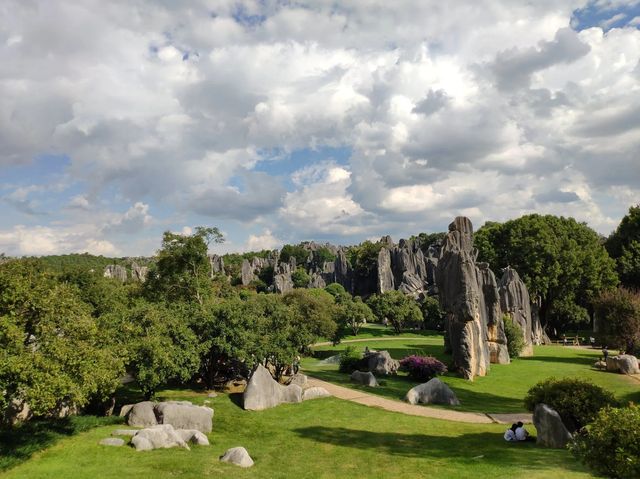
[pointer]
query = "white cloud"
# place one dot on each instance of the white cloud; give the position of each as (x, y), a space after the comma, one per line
(266, 240)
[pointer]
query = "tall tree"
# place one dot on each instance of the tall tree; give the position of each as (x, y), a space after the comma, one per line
(624, 246)
(182, 270)
(395, 306)
(562, 262)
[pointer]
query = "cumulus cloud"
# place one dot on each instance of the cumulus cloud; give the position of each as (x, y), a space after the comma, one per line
(178, 111)
(263, 241)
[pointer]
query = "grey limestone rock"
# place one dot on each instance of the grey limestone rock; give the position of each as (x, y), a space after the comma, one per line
(460, 299)
(115, 271)
(364, 378)
(183, 415)
(238, 456)
(343, 272)
(550, 428)
(124, 410)
(139, 273)
(282, 281)
(142, 415)
(381, 362)
(112, 441)
(161, 436)
(264, 392)
(385, 275)
(515, 301)
(193, 436)
(491, 314)
(433, 391)
(217, 264)
(625, 364)
(315, 393)
(299, 379)
(246, 272)
(124, 432)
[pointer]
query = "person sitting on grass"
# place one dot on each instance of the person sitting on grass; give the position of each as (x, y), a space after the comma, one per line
(521, 433)
(510, 434)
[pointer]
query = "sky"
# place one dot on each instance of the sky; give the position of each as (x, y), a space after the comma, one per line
(284, 121)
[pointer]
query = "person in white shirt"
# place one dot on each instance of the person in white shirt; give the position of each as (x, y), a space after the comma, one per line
(520, 432)
(510, 434)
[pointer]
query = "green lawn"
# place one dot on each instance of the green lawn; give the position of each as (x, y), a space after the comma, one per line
(502, 390)
(326, 438)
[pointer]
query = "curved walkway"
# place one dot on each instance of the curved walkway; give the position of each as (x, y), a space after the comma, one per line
(371, 400)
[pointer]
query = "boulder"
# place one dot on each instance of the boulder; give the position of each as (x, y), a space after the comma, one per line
(238, 456)
(299, 379)
(380, 362)
(112, 441)
(315, 392)
(124, 432)
(366, 379)
(193, 436)
(217, 264)
(551, 430)
(115, 271)
(263, 392)
(460, 299)
(184, 415)
(142, 415)
(246, 273)
(162, 436)
(335, 359)
(124, 410)
(625, 364)
(433, 391)
(139, 273)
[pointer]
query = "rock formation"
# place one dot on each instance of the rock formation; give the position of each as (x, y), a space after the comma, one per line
(433, 391)
(315, 392)
(115, 271)
(161, 436)
(264, 392)
(366, 379)
(139, 273)
(460, 299)
(217, 264)
(380, 363)
(180, 414)
(385, 275)
(238, 456)
(492, 315)
(514, 301)
(551, 431)
(282, 281)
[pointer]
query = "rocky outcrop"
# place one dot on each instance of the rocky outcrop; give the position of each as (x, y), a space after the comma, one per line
(246, 272)
(238, 456)
(460, 299)
(343, 274)
(551, 431)
(139, 273)
(162, 436)
(366, 379)
(385, 275)
(217, 264)
(515, 301)
(180, 414)
(433, 391)
(299, 379)
(492, 314)
(380, 363)
(115, 271)
(282, 281)
(264, 392)
(315, 392)
(193, 436)
(625, 364)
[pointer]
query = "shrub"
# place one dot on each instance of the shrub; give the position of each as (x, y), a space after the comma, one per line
(422, 368)
(577, 401)
(610, 444)
(515, 337)
(349, 360)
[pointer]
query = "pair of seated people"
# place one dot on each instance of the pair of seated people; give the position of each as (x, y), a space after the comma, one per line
(516, 432)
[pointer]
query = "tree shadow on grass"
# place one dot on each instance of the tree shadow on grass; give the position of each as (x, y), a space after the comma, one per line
(18, 444)
(488, 447)
(585, 359)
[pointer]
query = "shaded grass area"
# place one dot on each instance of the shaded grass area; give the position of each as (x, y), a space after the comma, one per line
(502, 391)
(325, 438)
(19, 444)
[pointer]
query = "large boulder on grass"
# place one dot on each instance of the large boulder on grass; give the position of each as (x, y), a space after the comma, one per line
(264, 392)
(366, 379)
(238, 456)
(381, 363)
(551, 430)
(162, 436)
(315, 392)
(184, 415)
(628, 364)
(142, 415)
(433, 391)
(193, 436)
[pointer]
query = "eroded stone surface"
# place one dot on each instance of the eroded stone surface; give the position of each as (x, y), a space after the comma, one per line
(238, 456)
(433, 391)
(264, 392)
(551, 431)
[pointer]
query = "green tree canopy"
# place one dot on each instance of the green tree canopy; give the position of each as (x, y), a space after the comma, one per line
(562, 262)
(398, 308)
(624, 246)
(618, 317)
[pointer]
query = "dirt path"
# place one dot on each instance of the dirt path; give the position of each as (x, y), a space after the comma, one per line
(371, 400)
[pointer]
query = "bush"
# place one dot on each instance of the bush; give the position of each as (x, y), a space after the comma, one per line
(577, 401)
(515, 337)
(349, 360)
(610, 444)
(422, 368)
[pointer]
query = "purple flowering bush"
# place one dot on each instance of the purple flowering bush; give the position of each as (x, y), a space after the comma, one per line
(422, 368)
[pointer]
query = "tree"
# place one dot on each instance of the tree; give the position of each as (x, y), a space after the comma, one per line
(562, 262)
(296, 251)
(398, 308)
(364, 261)
(618, 317)
(52, 352)
(338, 292)
(162, 346)
(624, 246)
(431, 313)
(353, 314)
(182, 270)
(427, 239)
(300, 278)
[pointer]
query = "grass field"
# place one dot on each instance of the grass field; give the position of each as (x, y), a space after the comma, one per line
(501, 391)
(325, 438)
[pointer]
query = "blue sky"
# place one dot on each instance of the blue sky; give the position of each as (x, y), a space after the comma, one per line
(281, 122)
